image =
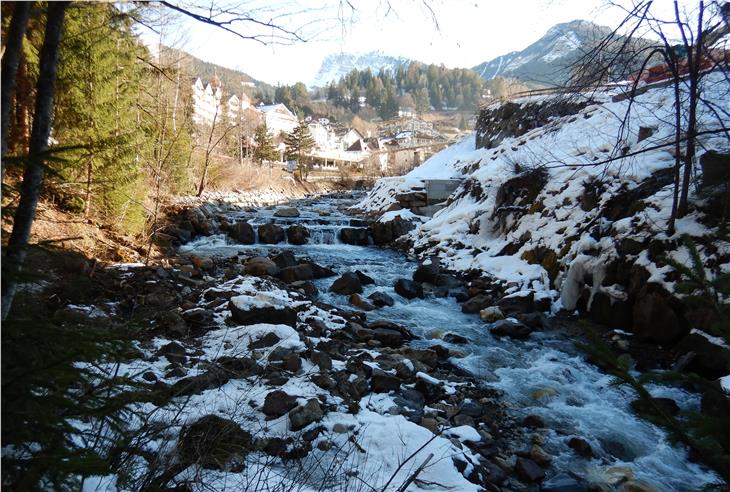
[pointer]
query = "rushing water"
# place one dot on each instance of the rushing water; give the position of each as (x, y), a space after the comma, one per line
(544, 375)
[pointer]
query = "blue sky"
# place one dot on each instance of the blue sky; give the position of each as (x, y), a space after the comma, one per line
(468, 32)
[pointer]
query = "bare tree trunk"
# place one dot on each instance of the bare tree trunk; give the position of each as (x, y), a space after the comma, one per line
(33, 176)
(208, 151)
(10, 62)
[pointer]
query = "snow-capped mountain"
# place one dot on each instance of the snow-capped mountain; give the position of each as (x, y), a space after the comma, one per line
(546, 61)
(336, 65)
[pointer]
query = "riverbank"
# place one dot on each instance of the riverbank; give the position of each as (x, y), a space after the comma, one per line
(247, 341)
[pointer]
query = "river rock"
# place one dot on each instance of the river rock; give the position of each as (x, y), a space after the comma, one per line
(666, 406)
(285, 259)
(304, 415)
(704, 357)
(309, 289)
(271, 234)
(562, 482)
(213, 443)
(386, 232)
(357, 301)
(286, 212)
(580, 446)
(509, 328)
(347, 284)
(278, 403)
(517, 304)
(491, 314)
(297, 234)
(476, 304)
(297, 273)
(389, 338)
(354, 235)
(260, 266)
(242, 232)
(454, 338)
(321, 272)
(247, 310)
(529, 471)
(408, 289)
(381, 299)
(364, 279)
(427, 271)
(654, 318)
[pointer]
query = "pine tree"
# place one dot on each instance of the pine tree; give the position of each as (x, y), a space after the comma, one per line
(265, 150)
(298, 143)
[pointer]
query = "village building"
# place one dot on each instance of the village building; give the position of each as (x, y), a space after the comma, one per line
(278, 118)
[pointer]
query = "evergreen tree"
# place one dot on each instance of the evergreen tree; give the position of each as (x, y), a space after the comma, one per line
(298, 143)
(265, 150)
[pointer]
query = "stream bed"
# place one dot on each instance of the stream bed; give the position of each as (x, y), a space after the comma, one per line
(544, 376)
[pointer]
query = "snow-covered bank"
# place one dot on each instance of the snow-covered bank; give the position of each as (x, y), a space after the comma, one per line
(571, 200)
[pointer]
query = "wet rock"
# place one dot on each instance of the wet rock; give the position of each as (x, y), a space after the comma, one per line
(354, 235)
(656, 407)
(509, 328)
(539, 456)
(529, 471)
(297, 273)
(562, 482)
(278, 403)
(245, 313)
(704, 357)
(408, 289)
(357, 301)
(517, 304)
(491, 314)
(455, 339)
(476, 304)
(388, 337)
(427, 271)
(260, 266)
(655, 319)
(286, 212)
(285, 259)
(381, 299)
(297, 234)
(386, 232)
(304, 415)
(534, 421)
(580, 446)
(242, 232)
(347, 284)
(309, 289)
(270, 234)
(321, 272)
(432, 392)
(364, 279)
(213, 443)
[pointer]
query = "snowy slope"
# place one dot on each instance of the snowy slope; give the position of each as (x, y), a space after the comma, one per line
(468, 234)
(336, 65)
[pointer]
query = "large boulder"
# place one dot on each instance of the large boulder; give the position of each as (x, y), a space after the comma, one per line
(242, 232)
(303, 415)
(347, 284)
(509, 328)
(381, 299)
(260, 266)
(386, 232)
(250, 310)
(655, 319)
(285, 259)
(270, 234)
(358, 301)
(703, 357)
(476, 304)
(427, 271)
(287, 212)
(213, 443)
(354, 235)
(408, 289)
(297, 273)
(297, 234)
